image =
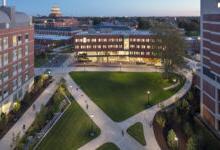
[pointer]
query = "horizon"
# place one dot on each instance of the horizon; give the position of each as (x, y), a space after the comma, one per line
(107, 8)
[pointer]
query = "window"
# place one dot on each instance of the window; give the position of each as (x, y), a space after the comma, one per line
(26, 63)
(14, 40)
(0, 44)
(19, 38)
(218, 4)
(208, 73)
(15, 57)
(19, 67)
(26, 50)
(5, 75)
(26, 37)
(5, 59)
(19, 81)
(0, 60)
(15, 70)
(5, 43)
(15, 84)
(19, 53)
(26, 76)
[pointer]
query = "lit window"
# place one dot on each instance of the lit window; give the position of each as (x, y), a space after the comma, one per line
(218, 4)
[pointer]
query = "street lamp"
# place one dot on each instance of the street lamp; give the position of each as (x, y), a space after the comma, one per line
(92, 132)
(174, 80)
(148, 97)
(176, 139)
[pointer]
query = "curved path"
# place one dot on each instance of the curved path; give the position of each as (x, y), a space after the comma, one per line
(112, 131)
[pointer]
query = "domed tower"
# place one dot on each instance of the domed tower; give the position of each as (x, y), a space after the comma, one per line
(55, 11)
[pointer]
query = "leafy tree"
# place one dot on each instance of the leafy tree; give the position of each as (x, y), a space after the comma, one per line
(173, 45)
(171, 140)
(192, 143)
(161, 120)
(190, 96)
(143, 24)
(41, 117)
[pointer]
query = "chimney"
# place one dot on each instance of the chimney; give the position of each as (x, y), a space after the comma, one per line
(4, 3)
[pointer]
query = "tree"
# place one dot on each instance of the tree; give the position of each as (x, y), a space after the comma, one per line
(173, 45)
(161, 120)
(172, 140)
(192, 143)
(16, 106)
(143, 24)
(41, 117)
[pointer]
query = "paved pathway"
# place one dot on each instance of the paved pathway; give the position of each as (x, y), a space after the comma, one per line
(112, 131)
(29, 116)
(65, 70)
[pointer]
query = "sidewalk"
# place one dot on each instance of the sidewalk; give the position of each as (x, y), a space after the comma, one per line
(111, 131)
(28, 117)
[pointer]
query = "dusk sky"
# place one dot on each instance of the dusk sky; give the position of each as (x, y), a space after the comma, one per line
(111, 7)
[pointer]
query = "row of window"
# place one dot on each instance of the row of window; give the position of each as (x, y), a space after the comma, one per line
(16, 41)
(16, 69)
(94, 40)
(211, 75)
(116, 46)
(16, 55)
(16, 83)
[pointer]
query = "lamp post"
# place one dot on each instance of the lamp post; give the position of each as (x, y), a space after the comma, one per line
(120, 67)
(148, 97)
(84, 66)
(92, 132)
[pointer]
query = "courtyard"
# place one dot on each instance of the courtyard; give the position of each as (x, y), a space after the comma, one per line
(121, 95)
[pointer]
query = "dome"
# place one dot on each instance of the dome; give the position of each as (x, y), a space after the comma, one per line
(21, 17)
(4, 17)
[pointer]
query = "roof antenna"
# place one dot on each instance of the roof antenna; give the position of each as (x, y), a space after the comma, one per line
(4, 3)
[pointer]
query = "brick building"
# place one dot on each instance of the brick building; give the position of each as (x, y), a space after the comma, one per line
(117, 46)
(16, 56)
(209, 77)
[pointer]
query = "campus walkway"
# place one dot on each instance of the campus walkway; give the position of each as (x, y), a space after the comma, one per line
(112, 131)
(29, 116)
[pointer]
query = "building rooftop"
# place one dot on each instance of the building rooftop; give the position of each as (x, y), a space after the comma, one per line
(117, 32)
(51, 37)
(10, 18)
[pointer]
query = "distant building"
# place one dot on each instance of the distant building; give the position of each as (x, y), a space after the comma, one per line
(117, 46)
(55, 11)
(209, 77)
(16, 56)
(54, 30)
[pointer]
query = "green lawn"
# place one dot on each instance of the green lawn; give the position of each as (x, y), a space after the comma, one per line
(137, 132)
(71, 132)
(108, 146)
(122, 95)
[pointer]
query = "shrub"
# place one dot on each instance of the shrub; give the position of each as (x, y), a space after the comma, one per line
(161, 120)
(172, 140)
(192, 143)
(187, 129)
(16, 106)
